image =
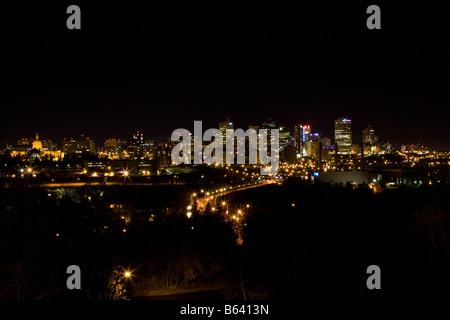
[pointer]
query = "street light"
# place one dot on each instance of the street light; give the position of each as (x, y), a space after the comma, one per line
(127, 274)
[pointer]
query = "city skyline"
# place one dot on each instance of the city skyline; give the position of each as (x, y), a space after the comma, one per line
(160, 71)
(357, 136)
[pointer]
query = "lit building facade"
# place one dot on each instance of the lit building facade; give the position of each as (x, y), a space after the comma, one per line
(135, 139)
(82, 146)
(36, 149)
(301, 136)
(343, 135)
(369, 138)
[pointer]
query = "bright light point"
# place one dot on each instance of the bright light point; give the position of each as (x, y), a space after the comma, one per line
(293, 204)
(125, 173)
(189, 214)
(29, 170)
(223, 203)
(189, 207)
(239, 211)
(194, 194)
(127, 274)
(248, 206)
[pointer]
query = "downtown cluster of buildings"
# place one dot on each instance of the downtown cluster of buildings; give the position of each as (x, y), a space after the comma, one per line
(295, 143)
(302, 142)
(303, 153)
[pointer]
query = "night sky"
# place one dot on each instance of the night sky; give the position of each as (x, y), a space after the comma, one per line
(157, 69)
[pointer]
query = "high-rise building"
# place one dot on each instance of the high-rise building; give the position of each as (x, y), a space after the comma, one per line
(343, 135)
(325, 141)
(285, 138)
(312, 148)
(135, 139)
(301, 136)
(315, 136)
(111, 147)
(223, 126)
(269, 123)
(78, 147)
(312, 144)
(298, 139)
(306, 132)
(369, 138)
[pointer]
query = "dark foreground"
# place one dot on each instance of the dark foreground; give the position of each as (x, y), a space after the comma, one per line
(294, 242)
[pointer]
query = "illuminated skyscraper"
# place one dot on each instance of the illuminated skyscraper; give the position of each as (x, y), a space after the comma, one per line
(301, 136)
(269, 124)
(343, 135)
(369, 138)
(285, 138)
(298, 140)
(135, 139)
(223, 126)
(79, 147)
(306, 132)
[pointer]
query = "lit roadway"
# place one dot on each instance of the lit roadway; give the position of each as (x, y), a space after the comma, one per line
(201, 200)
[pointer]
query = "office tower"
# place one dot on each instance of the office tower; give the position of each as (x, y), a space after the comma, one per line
(223, 126)
(312, 148)
(306, 132)
(256, 128)
(135, 139)
(343, 135)
(285, 138)
(314, 136)
(325, 141)
(269, 124)
(305, 137)
(311, 145)
(301, 136)
(111, 146)
(298, 139)
(369, 138)
(78, 147)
